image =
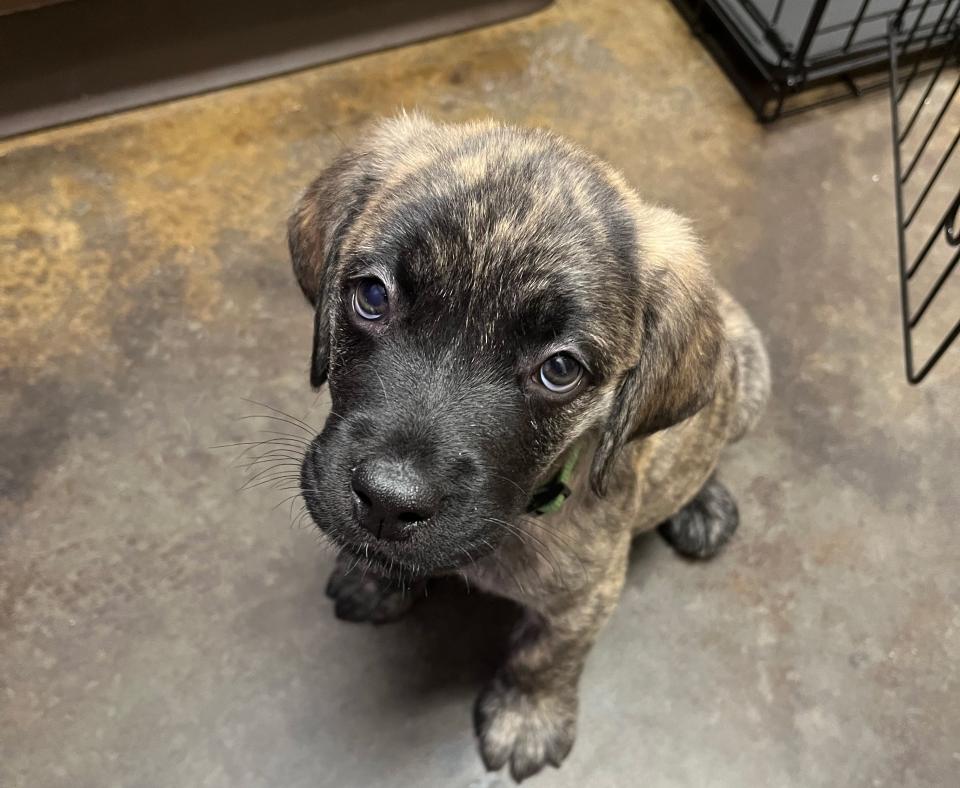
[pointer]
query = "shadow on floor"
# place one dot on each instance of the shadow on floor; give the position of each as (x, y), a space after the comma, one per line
(454, 639)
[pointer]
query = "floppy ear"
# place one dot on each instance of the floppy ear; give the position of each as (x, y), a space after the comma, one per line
(681, 344)
(315, 233)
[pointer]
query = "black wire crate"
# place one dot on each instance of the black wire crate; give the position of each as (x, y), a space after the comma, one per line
(786, 56)
(925, 119)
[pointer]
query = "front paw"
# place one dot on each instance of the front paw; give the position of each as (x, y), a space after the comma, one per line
(527, 729)
(365, 597)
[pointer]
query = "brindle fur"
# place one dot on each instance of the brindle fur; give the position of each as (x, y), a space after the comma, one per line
(516, 228)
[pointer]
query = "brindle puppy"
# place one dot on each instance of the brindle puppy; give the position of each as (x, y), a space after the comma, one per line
(488, 300)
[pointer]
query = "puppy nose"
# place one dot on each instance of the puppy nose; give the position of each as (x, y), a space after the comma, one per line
(391, 498)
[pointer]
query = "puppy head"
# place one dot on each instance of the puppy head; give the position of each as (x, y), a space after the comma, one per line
(483, 297)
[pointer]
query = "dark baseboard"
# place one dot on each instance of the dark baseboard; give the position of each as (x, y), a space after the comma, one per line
(80, 59)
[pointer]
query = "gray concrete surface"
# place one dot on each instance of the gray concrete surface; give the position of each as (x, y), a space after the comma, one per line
(159, 629)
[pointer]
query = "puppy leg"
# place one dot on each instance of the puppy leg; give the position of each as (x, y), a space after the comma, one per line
(704, 525)
(360, 596)
(527, 716)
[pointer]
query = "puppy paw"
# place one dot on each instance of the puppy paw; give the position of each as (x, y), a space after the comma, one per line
(705, 524)
(365, 597)
(527, 730)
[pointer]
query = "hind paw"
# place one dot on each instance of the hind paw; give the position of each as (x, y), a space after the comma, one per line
(705, 524)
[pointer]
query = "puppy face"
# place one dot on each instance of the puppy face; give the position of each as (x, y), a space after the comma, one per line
(484, 296)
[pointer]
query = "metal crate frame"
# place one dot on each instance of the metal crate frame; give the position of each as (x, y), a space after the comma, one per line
(922, 117)
(800, 77)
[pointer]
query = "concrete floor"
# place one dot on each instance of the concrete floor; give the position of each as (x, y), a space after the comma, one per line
(159, 629)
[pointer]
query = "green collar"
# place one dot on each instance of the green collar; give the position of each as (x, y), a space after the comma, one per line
(549, 497)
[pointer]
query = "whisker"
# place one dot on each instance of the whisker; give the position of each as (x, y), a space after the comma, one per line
(288, 468)
(289, 436)
(265, 472)
(271, 457)
(303, 506)
(280, 449)
(532, 521)
(570, 546)
(517, 531)
(275, 445)
(366, 562)
(508, 480)
(289, 499)
(273, 481)
(549, 556)
(307, 427)
(350, 567)
(267, 417)
(273, 454)
(508, 570)
(271, 441)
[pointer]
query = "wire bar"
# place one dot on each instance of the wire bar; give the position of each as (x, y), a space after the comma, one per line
(778, 10)
(933, 179)
(776, 59)
(944, 234)
(941, 280)
(931, 131)
(857, 20)
(926, 49)
(926, 93)
(789, 57)
(879, 15)
(946, 220)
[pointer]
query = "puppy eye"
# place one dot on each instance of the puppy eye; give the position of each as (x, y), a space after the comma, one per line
(560, 373)
(370, 299)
